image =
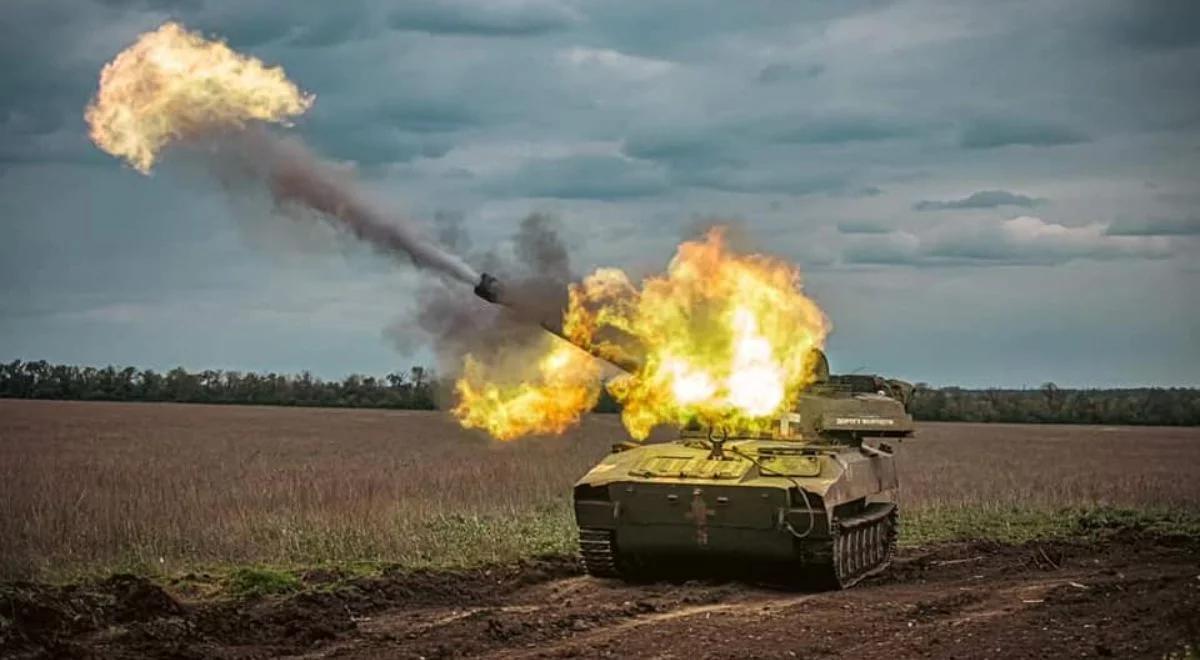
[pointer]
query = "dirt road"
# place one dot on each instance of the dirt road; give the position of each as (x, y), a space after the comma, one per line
(1121, 598)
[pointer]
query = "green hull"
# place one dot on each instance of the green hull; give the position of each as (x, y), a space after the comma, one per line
(815, 501)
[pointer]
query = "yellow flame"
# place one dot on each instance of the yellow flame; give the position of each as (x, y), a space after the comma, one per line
(172, 84)
(567, 385)
(721, 337)
(726, 338)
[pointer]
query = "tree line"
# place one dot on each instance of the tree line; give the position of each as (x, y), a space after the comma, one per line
(42, 380)
(414, 389)
(1050, 404)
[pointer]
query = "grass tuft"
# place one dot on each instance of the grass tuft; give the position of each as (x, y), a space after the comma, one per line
(251, 582)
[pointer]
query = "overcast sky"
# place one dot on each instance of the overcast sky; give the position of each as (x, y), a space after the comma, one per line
(980, 193)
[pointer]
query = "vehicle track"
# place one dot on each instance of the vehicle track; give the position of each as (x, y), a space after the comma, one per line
(578, 644)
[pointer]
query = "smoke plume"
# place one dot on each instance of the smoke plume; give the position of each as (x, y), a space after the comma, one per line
(300, 180)
(535, 267)
(173, 86)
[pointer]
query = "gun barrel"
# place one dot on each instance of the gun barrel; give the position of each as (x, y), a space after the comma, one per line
(491, 290)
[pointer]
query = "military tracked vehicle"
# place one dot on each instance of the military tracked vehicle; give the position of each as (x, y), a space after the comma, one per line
(812, 500)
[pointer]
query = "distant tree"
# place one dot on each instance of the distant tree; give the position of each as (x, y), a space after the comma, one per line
(149, 386)
(181, 386)
(1053, 397)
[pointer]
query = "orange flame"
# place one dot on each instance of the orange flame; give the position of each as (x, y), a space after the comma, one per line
(567, 385)
(721, 337)
(172, 84)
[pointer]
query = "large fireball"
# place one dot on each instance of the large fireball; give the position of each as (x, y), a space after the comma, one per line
(722, 338)
(173, 84)
(566, 385)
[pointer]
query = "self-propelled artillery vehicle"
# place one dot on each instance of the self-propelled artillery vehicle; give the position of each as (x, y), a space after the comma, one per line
(811, 500)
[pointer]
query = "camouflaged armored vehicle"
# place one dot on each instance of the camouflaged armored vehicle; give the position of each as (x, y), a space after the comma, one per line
(811, 501)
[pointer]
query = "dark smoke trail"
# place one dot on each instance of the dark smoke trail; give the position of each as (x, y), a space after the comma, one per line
(535, 267)
(177, 87)
(297, 177)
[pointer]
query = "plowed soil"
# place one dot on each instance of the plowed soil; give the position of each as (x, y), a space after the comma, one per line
(1125, 597)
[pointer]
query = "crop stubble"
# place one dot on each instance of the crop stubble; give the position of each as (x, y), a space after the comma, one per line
(92, 487)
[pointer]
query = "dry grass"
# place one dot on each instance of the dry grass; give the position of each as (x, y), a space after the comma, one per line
(161, 487)
(1016, 481)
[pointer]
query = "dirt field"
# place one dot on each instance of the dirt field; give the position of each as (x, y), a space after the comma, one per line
(1127, 598)
(166, 490)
